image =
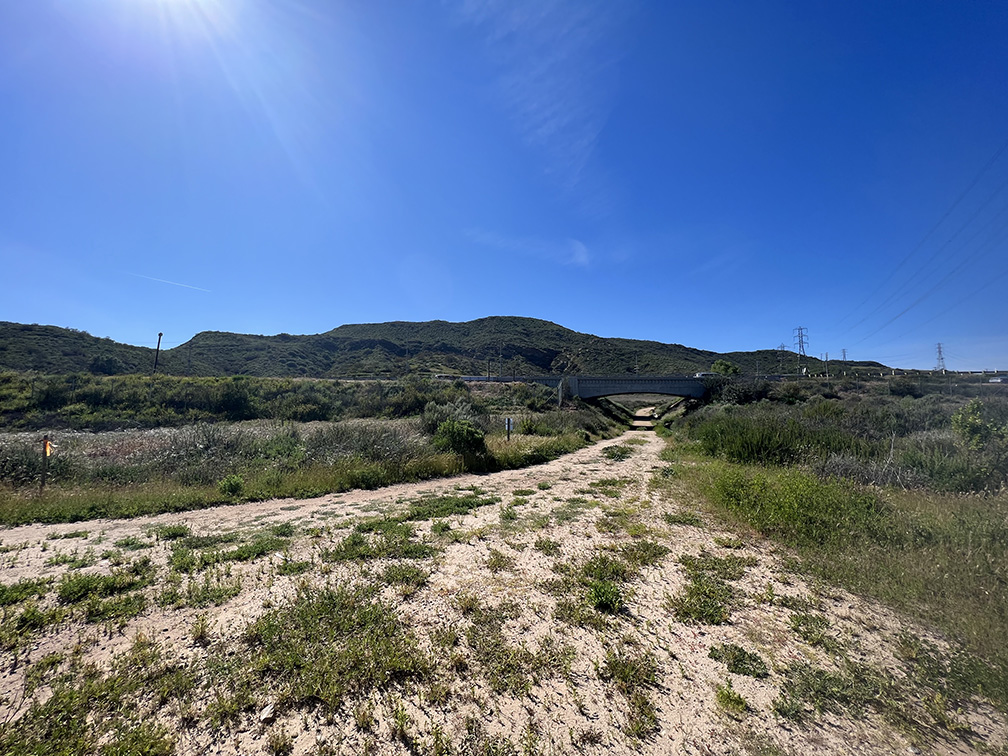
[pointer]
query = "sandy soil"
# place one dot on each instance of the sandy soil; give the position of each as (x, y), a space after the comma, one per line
(580, 714)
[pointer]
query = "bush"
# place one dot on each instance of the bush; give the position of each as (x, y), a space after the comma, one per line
(231, 485)
(434, 414)
(905, 385)
(461, 437)
(968, 423)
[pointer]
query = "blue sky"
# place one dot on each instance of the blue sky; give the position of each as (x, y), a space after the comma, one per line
(707, 173)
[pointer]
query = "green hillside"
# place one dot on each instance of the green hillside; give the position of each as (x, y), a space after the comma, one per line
(504, 345)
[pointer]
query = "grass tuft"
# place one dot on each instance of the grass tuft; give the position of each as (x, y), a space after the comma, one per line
(633, 674)
(739, 661)
(329, 643)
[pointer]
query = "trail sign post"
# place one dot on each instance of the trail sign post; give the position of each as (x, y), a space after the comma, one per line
(46, 452)
(508, 424)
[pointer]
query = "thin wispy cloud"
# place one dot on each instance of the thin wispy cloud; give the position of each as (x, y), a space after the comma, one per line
(557, 78)
(564, 252)
(173, 283)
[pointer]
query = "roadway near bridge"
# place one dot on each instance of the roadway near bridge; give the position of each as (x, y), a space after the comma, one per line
(591, 386)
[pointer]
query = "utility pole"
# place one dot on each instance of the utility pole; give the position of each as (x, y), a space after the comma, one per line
(157, 352)
(941, 359)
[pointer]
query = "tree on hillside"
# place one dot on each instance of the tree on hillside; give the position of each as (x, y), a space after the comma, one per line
(724, 367)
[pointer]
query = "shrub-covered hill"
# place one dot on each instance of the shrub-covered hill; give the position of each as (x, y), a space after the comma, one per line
(507, 345)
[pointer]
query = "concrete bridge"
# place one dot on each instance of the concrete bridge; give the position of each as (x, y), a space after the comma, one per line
(590, 386)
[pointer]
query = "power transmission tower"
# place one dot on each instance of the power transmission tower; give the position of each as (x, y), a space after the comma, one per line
(843, 355)
(941, 359)
(780, 357)
(801, 341)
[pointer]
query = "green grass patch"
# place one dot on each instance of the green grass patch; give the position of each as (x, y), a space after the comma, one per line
(293, 567)
(683, 517)
(260, 546)
(508, 514)
(440, 527)
(133, 543)
(448, 505)
(76, 587)
(547, 546)
(814, 630)
(633, 675)
(580, 613)
(617, 452)
(513, 668)
(726, 568)
(797, 508)
(739, 661)
(395, 543)
(23, 590)
(120, 608)
(407, 577)
(622, 520)
(851, 690)
(74, 560)
(95, 711)
(644, 553)
(605, 596)
(729, 699)
(609, 487)
(604, 566)
(498, 561)
(572, 509)
(729, 542)
(18, 630)
(69, 534)
(212, 588)
(705, 600)
(330, 643)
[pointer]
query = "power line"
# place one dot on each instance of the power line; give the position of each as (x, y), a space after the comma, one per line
(907, 282)
(976, 179)
(971, 295)
(990, 243)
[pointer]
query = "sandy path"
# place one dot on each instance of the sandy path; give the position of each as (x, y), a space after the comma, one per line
(585, 502)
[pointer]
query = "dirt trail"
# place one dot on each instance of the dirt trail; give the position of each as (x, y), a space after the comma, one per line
(644, 419)
(594, 500)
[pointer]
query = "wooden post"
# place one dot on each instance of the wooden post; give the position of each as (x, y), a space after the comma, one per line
(46, 451)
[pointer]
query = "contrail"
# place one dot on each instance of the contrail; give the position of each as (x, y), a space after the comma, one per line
(173, 283)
